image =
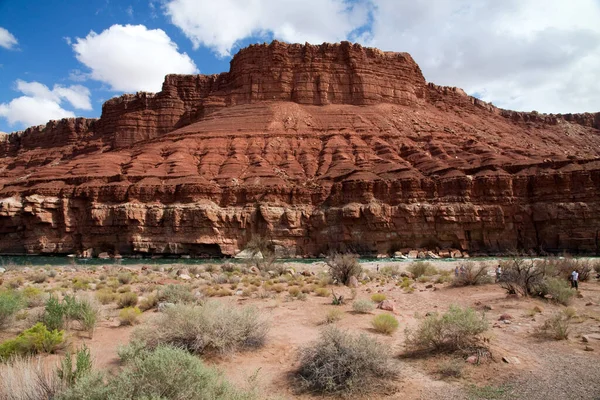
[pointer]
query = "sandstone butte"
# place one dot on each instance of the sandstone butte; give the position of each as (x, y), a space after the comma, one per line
(318, 148)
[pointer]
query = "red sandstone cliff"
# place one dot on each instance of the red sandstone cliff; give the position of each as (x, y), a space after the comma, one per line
(317, 147)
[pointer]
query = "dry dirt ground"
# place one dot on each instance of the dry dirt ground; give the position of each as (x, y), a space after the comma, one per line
(538, 369)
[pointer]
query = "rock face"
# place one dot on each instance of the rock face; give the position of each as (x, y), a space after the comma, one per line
(319, 148)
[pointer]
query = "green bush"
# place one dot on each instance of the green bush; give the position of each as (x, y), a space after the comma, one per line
(127, 299)
(456, 329)
(129, 315)
(70, 374)
(11, 302)
(176, 294)
(421, 268)
(33, 296)
(343, 266)
(212, 327)
(37, 339)
(378, 297)
(385, 323)
(363, 306)
(58, 314)
(559, 290)
(340, 363)
(167, 373)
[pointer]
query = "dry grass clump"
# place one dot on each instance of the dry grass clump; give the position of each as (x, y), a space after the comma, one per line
(558, 290)
(385, 323)
(127, 299)
(457, 329)
(212, 327)
(39, 277)
(421, 268)
(334, 315)
(451, 368)
(25, 378)
(129, 315)
(343, 364)
(558, 326)
(343, 266)
(106, 296)
(124, 278)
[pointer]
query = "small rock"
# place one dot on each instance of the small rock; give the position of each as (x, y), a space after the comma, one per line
(507, 321)
(306, 273)
(254, 270)
(505, 317)
(589, 304)
(428, 286)
(353, 282)
(406, 274)
(538, 309)
(511, 360)
(387, 305)
(104, 256)
(413, 254)
(239, 292)
(488, 308)
(585, 339)
(588, 348)
(472, 359)
(185, 277)
(579, 295)
(2, 270)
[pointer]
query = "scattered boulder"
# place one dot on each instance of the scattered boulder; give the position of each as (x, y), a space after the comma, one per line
(431, 254)
(487, 307)
(589, 337)
(444, 253)
(399, 254)
(163, 305)
(413, 254)
(472, 359)
(387, 305)
(2, 270)
(511, 360)
(185, 277)
(353, 282)
(588, 348)
(505, 317)
(455, 254)
(429, 286)
(421, 254)
(382, 256)
(104, 256)
(248, 254)
(406, 274)
(538, 309)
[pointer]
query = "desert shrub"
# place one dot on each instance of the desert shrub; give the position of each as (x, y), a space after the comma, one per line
(451, 368)
(26, 378)
(39, 277)
(11, 302)
(421, 268)
(334, 315)
(70, 374)
(362, 306)
(150, 375)
(390, 270)
(54, 314)
(124, 289)
(378, 297)
(556, 327)
(80, 284)
(523, 276)
(128, 299)
(176, 294)
(34, 297)
(148, 302)
(472, 275)
(343, 266)
(455, 330)
(124, 278)
(37, 339)
(340, 363)
(337, 300)
(106, 296)
(129, 315)
(385, 323)
(322, 292)
(564, 266)
(15, 283)
(57, 314)
(559, 290)
(212, 327)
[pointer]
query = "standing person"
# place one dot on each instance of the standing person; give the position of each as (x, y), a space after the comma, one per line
(498, 273)
(575, 280)
(456, 271)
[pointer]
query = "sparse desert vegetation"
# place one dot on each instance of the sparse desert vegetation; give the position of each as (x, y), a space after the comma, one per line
(231, 324)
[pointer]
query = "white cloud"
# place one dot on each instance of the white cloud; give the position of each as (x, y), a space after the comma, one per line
(221, 24)
(40, 104)
(524, 55)
(7, 40)
(132, 58)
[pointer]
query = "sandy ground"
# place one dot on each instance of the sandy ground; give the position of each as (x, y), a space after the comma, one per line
(537, 370)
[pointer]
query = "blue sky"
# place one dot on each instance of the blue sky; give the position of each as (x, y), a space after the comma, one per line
(64, 58)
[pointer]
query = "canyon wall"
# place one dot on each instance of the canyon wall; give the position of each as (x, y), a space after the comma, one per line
(317, 148)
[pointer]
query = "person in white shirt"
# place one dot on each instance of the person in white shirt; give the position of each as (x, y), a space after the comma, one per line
(575, 280)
